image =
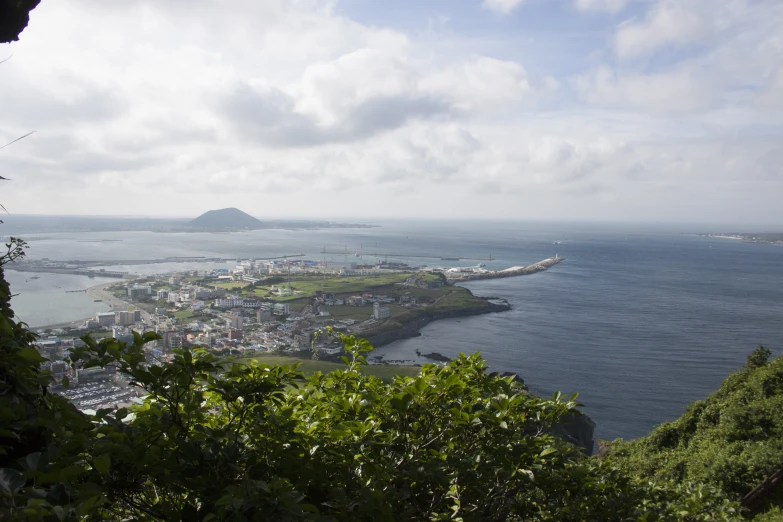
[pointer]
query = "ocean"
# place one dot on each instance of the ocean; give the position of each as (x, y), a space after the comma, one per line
(640, 321)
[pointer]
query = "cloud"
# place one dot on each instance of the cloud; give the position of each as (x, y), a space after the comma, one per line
(268, 117)
(293, 108)
(668, 22)
(678, 91)
(611, 6)
(502, 6)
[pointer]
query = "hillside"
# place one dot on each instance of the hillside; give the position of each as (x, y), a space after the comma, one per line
(226, 219)
(731, 440)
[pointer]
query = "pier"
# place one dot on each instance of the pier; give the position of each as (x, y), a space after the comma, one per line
(508, 272)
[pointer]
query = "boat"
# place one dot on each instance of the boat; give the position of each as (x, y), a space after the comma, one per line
(449, 259)
(557, 242)
(36, 277)
(98, 301)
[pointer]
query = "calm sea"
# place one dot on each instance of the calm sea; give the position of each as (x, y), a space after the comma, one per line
(639, 322)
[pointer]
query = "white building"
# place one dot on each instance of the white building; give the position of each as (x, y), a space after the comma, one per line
(379, 312)
(105, 319)
(233, 301)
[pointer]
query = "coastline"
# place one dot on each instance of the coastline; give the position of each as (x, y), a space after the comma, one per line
(413, 327)
(96, 292)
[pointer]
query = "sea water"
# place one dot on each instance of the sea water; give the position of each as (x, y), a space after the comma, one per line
(639, 321)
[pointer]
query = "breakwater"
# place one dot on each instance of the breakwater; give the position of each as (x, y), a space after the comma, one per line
(546, 264)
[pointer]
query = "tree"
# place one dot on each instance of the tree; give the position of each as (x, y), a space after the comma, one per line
(14, 16)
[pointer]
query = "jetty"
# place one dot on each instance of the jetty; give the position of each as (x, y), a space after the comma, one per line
(514, 271)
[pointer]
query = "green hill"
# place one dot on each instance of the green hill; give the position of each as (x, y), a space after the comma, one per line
(733, 439)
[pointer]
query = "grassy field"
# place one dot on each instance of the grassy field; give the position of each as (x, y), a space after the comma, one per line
(185, 314)
(359, 313)
(307, 286)
(385, 372)
(231, 284)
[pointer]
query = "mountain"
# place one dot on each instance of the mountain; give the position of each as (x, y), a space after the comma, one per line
(226, 219)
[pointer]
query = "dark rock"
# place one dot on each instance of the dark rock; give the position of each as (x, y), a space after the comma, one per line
(576, 428)
(435, 356)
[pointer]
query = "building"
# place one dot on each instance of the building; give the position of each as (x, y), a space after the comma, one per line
(105, 319)
(163, 294)
(379, 312)
(234, 322)
(175, 341)
(137, 291)
(90, 375)
(229, 302)
(234, 335)
(122, 334)
(251, 303)
(175, 280)
(125, 318)
(170, 338)
(137, 316)
(263, 315)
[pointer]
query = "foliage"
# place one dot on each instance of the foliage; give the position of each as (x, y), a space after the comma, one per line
(731, 440)
(14, 16)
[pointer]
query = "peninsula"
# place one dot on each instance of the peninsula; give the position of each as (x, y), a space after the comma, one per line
(764, 238)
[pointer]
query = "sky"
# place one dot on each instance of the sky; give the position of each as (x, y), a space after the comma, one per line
(606, 110)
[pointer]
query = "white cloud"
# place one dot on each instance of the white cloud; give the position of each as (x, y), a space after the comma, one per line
(611, 6)
(668, 22)
(289, 108)
(502, 6)
(678, 91)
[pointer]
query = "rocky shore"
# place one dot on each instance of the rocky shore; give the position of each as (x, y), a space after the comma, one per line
(413, 328)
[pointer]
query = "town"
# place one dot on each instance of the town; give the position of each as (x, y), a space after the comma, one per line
(283, 306)
(256, 307)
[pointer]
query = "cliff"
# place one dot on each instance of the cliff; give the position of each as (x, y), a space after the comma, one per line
(412, 328)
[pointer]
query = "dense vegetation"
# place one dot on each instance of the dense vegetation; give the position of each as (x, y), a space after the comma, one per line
(732, 439)
(218, 440)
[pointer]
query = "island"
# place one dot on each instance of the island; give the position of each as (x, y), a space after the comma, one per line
(225, 219)
(758, 237)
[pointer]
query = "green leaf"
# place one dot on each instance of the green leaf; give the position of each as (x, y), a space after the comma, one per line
(32, 461)
(11, 480)
(66, 381)
(102, 463)
(31, 354)
(547, 451)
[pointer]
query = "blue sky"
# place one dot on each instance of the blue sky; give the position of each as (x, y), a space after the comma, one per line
(612, 110)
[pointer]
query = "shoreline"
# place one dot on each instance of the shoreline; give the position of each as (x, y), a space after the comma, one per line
(96, 292)
(412, 328)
